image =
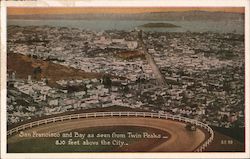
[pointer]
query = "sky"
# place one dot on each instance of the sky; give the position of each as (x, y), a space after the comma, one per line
(117, 10)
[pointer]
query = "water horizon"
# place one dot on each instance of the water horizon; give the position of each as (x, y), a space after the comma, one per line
(128, 25)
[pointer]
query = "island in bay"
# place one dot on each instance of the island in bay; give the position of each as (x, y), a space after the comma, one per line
(159, 25)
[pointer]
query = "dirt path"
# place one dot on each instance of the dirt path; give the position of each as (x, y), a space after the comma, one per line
(181, 139)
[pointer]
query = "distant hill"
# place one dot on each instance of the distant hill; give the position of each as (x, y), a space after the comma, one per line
(171, 16)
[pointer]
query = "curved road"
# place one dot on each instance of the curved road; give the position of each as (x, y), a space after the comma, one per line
(181, 140)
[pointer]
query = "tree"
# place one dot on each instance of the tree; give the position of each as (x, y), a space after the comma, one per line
(224, 118)
(37, 71)
(106, 81)
(125, 89)
(85, 88)
(46, 81)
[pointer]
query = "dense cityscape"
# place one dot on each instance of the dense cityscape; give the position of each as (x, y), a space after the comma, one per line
(203, 73)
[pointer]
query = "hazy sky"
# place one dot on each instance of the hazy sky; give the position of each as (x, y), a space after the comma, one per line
(62, 10)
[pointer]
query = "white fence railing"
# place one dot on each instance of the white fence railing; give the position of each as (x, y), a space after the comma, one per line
(132, 114)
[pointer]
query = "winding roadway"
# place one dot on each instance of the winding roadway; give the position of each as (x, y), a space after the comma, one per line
(181, 140)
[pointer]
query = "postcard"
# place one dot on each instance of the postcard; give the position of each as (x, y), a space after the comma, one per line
(113, 80)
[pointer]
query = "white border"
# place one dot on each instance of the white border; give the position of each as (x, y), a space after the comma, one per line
(3, 79)
(125, 3)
